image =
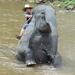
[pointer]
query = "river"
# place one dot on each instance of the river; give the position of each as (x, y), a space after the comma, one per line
(11, 21)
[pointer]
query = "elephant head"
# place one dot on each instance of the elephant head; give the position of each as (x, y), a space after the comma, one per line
(41, 24)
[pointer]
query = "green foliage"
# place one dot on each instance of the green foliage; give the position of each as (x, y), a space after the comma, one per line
(68, 2)
(64, 3)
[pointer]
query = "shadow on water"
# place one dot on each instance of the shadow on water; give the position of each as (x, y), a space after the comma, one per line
(11, 20)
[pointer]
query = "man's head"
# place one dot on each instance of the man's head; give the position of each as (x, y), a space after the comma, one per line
(27, 8)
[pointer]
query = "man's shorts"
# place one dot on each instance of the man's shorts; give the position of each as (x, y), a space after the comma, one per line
(25, 26)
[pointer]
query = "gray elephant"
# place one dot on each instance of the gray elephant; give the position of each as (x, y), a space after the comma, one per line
(40, 40)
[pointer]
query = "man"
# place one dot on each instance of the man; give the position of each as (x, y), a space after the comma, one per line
(28, 15)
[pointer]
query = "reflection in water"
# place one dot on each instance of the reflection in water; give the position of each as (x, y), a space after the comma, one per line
(11, 20)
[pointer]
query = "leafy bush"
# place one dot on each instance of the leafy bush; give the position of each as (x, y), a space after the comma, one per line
(67, 2)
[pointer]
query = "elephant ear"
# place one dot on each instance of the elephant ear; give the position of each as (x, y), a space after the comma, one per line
(50, 19)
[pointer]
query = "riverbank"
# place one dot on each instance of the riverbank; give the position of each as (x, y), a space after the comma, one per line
(66, 4)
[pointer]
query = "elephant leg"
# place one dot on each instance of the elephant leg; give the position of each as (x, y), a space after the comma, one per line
(29, 57)
(53, 50)
(57, 61)
(20, 57)
(54, 43)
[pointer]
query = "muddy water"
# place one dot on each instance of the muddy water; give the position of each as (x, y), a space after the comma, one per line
(11, 20)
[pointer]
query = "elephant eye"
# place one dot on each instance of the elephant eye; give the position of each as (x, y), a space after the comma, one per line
(43, 15)
(43, 12)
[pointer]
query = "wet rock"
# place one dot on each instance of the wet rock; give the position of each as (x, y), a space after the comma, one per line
(59, 5)
(70, 7)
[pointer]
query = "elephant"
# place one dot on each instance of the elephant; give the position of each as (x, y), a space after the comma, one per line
(39, 43)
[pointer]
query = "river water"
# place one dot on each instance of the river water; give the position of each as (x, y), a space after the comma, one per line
(11, 20)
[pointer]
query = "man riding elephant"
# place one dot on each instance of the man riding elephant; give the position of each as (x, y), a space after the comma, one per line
(40, 40)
